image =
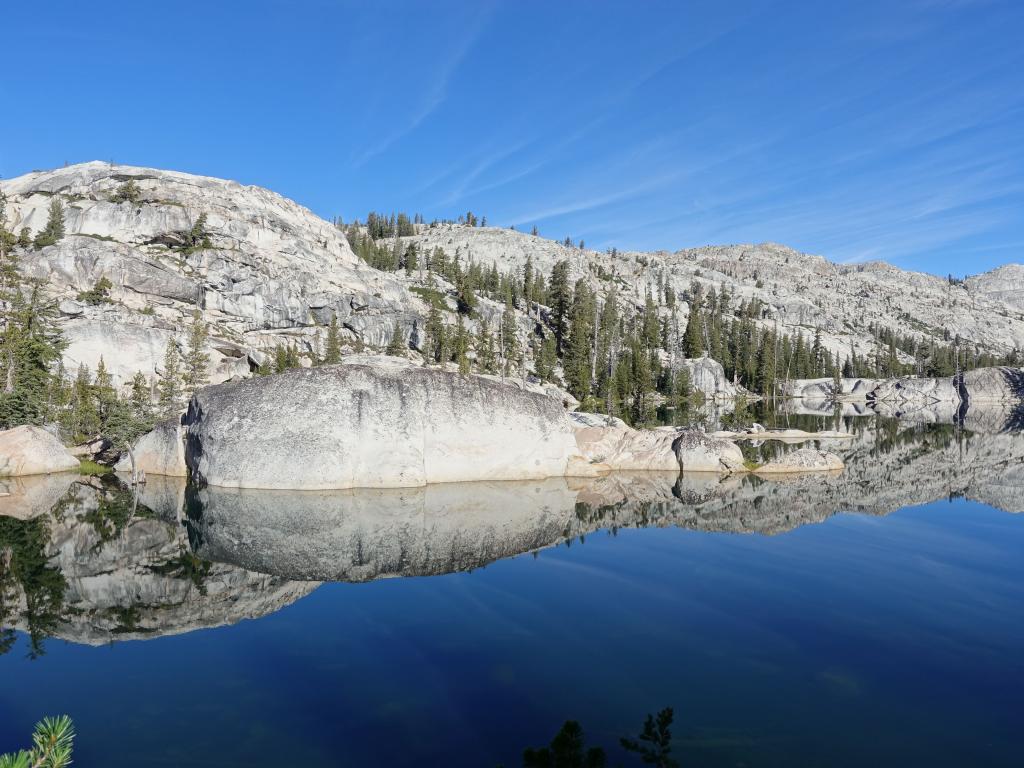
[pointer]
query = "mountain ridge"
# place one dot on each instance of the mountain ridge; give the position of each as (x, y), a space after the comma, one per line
(274, 273)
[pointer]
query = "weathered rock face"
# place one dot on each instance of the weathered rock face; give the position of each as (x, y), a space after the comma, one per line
(159, 452)
(28, 450)
(802, 460)
(1005, 284)
(994, 385)
(915, 390)
(386, 425)
(696, 452)
(274, 273)
(612, 445)
(707, 376)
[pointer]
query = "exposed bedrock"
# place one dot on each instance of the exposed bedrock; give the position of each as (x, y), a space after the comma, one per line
(372, 426)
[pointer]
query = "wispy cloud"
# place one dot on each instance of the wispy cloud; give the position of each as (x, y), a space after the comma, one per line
(436, 92)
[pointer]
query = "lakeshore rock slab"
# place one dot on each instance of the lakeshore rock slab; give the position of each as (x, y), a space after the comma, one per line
(696, 452)
(28, 450)
(612, 444)
(372, 426)
(159, 452)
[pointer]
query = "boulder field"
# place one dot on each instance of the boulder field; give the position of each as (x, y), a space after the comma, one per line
(385, 423)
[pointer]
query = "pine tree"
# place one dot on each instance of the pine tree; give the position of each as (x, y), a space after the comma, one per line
(30, 348)
(104, 393)
(411, 259)
(461, 344)
(560, 301)
(169, 389)
(510, 347)
(651, 327)
(54, 229)
(577, 362)
(197, 361)
(398, 346)
(84, 422)
(693, 340)
(486, 359)
(545, 362)
(128, 192)
(332, 352)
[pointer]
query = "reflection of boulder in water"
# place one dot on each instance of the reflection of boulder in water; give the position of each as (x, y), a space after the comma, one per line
(32, 495)
(364, 534)
(360, 535)
(992, 417)
(128, 572)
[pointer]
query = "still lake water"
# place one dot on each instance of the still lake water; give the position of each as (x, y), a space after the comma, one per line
(874, 618)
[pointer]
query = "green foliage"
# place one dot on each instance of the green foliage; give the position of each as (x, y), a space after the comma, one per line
(197, 361)
(545, 362)
(90, 468)
(128, 192)
(98, 294)
(432, 296)
(567, 750)
(129, 419)
(25, 565)
(654, 744)
(332, 352)
(54, 229)
(197, 238)
(486, 357)
(398, 345)
(460, 347)
(578, 363)
(30, 347)
(169, 390)
(52, 743)
(561, 303)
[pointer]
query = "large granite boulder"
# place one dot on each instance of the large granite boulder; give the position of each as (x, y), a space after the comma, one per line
(994, 385)
(389, 424)
(707, 376)
(696, 452)
(911, 389)
(158, 452)
(28, 450)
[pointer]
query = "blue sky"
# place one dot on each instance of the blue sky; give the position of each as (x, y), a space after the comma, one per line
(857, 130)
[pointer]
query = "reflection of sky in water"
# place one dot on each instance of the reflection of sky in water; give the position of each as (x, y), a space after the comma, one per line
(861, 640)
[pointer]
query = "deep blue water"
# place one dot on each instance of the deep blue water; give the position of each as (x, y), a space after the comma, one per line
(861, 640)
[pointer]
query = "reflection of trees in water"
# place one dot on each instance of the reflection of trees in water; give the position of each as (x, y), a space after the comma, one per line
(24, 571)
(27, 578)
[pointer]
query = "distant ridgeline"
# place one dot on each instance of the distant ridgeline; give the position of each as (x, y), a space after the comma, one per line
(124, 289)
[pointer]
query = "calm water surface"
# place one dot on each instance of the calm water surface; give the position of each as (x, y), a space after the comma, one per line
(783, 629)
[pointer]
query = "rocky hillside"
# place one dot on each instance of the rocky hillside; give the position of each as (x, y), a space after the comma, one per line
(798, 291)
(269, 272)
(273, 272)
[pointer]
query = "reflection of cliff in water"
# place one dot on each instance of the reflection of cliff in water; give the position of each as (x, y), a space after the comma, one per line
(85, 560)
(97, 564)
